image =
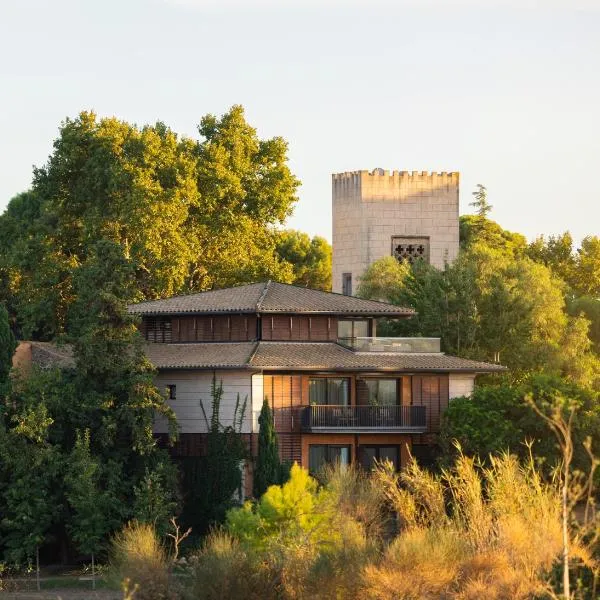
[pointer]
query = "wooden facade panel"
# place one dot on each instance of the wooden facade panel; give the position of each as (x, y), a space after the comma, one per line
(431, 391)
(220, 328)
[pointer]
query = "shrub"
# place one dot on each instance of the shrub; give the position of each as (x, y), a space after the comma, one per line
(139, 558)
(224, 570)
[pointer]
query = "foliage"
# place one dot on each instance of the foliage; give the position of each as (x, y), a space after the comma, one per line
(138, 557)
(499, 418)
(7, 350)
(218, 479)
(310, 259)
(267, 471)
(93, 509)
(589, 308)
(468, 533)
(489, 305)
(480, 202)
(188, 215)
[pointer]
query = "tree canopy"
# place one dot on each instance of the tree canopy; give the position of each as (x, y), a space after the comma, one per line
(189, 214)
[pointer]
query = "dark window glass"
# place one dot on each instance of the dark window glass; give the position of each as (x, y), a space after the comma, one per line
(172, 391)
(370, 454)
(326, 390)
(382, 392)
(321, 454)
(347, 284)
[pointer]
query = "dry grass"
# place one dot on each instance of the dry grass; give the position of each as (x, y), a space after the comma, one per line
(139, 558)
(498, 539)
(223, 570)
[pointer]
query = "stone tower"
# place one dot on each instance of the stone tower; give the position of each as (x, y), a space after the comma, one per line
(412, 216)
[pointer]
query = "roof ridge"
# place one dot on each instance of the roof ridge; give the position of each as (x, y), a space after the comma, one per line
(262, 296)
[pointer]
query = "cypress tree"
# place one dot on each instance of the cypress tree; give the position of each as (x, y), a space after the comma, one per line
(268, 467)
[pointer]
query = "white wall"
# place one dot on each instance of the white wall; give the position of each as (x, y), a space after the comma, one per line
(461, 385)
(193, 386)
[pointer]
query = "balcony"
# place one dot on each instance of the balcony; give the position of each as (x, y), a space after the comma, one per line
(392, 344)
(363, 419)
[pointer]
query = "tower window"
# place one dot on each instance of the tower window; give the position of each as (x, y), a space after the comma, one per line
(347, 284)
(410, 249)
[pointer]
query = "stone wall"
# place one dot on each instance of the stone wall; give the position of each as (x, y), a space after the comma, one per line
(370, 208)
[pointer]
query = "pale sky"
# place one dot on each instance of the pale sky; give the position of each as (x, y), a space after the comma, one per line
(505, 91)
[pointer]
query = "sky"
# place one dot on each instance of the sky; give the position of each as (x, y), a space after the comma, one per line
(507, 92)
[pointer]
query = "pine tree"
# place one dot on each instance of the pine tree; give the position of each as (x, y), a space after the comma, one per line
(268, 466)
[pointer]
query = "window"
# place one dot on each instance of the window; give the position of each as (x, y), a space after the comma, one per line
(158, 329)
(410, 249)
(322, 454)
(382, 392)
(349, 329)
(172, 391)
(327, 390)
(347, 284)
(370, 454)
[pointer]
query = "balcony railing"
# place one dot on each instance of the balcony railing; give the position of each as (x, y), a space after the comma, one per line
(396, 419)
(392, 344)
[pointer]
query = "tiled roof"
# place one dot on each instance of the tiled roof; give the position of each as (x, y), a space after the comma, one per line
(270, 297)
(309, 356)
(213, 355)
(302, 356)
(240, 299)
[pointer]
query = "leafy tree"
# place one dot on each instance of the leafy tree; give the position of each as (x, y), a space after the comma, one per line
(556, 252)
(30, 474)
(587, 275)
(310, 259)
(268, 465)
(93, 509)
(220, 476)
(589, 308)
(481, 203)
(476, 230)
(7, 350)
(488, 305)
(189, 215)
(499, 417)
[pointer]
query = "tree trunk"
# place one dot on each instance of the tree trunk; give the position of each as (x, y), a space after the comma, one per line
(565, 527)
(37, 567)
(93, 573)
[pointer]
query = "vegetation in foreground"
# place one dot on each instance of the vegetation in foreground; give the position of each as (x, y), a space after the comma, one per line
(470, 533)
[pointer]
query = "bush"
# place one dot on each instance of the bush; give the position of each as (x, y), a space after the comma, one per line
(139, 558)
(224, 570)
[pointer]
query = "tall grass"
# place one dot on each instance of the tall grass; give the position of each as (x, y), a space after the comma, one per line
(138, 557)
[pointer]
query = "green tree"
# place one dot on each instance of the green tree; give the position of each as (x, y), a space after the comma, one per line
(220, 475)
(481, 203)
(310, 259)
(587, 275)
(7, 349)
(188, 215)
(30, 475)
(499, 417)
(93, 509)
(268, 465)
(556, 252)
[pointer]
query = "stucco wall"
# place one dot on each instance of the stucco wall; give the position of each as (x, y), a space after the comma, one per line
(461, 385)
(368, 209)
(193, 386)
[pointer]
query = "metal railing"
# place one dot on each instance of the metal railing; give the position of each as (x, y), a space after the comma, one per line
(367, 417)
(391, 344)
